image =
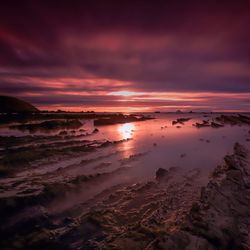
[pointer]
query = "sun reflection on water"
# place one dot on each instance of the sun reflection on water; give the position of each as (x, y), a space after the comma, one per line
(126, 130)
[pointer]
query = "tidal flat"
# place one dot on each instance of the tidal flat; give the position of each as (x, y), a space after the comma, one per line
(108, 181)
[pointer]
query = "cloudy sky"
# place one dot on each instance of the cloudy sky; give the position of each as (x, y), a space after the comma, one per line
(127, 55)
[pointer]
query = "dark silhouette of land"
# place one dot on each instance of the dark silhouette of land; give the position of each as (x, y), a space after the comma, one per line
(10, 104)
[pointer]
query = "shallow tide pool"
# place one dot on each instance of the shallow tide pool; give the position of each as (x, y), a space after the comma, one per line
(146, 146)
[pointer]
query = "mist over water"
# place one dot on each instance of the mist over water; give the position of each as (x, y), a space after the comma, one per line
(150, 144)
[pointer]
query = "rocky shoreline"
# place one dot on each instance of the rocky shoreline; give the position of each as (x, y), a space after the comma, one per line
(85, 189)
(220, 219)
(172, 212)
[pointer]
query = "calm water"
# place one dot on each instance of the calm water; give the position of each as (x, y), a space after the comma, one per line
(166, 145)
(152, 144)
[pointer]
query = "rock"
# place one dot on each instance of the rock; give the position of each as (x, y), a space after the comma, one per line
(49, 125)
(216, 125)
(63, 133)
(202, 125)
(205, 123)
(96, 130)
(119, 119)
(68, 220)
(220, 219)
(234, 119)
(161, 173)
(180, 120)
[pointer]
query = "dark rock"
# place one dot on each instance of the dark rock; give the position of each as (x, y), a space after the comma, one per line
(161, 173)
(233, 119)
(180, 121)
(63, 133)
(119, 119)
(48, 125)
(216, 125)
(202, 125)
(220, 219)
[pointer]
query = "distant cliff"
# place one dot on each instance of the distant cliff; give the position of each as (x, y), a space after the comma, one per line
(13, 105)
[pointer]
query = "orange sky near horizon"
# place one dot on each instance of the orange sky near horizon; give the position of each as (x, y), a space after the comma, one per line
(133, 101)
(127, 56)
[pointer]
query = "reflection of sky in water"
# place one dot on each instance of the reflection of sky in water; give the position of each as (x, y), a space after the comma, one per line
(126, 133)
(126, 130)
(185, 147)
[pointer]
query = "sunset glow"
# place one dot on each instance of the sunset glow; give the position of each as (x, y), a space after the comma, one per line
(101, 57)
(126, 130)
(124, 124)
(125, 93)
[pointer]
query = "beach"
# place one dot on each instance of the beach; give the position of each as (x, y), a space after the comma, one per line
(126, 185)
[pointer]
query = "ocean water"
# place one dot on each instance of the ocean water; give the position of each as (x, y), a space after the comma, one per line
(145, 147)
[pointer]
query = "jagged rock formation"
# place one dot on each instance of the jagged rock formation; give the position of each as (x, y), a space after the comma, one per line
(233, 119)
(172, 212)
(220, 219)
(173, 215)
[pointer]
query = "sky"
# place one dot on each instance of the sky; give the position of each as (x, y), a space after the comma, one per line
(127, 55)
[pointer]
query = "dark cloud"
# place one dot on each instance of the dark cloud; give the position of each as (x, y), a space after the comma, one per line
(177, 46)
